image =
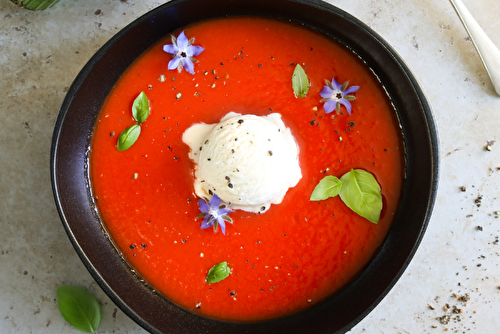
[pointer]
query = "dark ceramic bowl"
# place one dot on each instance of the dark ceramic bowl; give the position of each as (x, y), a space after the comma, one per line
(156, 313)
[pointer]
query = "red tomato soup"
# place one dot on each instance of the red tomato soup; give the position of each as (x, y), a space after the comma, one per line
(297, 253)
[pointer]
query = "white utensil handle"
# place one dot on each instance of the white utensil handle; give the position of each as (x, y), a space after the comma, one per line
(489, 53)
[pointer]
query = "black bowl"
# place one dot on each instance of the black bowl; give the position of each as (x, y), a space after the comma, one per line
(156, 313)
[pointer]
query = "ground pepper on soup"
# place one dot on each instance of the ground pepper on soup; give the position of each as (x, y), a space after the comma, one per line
(298, 252)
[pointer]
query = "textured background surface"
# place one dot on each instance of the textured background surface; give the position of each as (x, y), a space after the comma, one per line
(42, 52)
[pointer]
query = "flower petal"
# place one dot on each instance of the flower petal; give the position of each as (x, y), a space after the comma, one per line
(182, 41)
(207, 222)
(336, 85)
(346, 104)
(223, 212)
(326, 93)
(205, 226)
(350, 90)
(194, 50)
(214, 202)
(174, 63)
(170, 48)
(329, 106)
(222, 224)
(204, 207)
(188, 65)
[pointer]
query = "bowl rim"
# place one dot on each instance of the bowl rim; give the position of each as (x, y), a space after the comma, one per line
(68, 196)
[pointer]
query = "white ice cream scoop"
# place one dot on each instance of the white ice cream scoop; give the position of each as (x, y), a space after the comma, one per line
(249, 161)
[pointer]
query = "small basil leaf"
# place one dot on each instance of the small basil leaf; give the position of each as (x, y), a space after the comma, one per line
(36, 4)
(140, 108)
(79, 307)
(128, 137)
(328, 187)
(300, 82)
(361, 193)
(218, 272)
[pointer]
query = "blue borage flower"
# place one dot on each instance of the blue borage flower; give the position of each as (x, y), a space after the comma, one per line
(183, 52)
(336, 94)
(214, 213)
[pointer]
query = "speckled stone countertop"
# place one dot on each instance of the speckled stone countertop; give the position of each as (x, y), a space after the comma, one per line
(454, 273)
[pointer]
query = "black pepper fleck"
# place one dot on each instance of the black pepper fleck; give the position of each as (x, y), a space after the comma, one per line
(478, 200)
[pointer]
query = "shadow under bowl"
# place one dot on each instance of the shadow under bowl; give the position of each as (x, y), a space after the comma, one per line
(155, 313)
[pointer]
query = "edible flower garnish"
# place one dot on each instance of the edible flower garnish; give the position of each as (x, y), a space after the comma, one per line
(183, 52)
(336, 94)
(214, 214)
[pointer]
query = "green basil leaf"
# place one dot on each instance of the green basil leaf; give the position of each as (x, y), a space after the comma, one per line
(128, 137)
(300, 82)
(361, 193)
(328, 187)
(140, 108)
(36, 4)
(79, 307)
(218, 272)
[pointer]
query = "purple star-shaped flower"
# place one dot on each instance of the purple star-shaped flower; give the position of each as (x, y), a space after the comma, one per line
(336, 94)
(183, 52)
(214, 213)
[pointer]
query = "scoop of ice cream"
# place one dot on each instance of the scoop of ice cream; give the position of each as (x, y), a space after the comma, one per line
(249, 161)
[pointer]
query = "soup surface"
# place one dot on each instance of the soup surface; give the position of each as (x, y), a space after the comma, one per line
(297, 253)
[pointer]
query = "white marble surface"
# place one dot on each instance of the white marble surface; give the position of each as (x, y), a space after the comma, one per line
(42, 52)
